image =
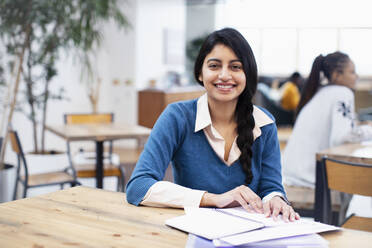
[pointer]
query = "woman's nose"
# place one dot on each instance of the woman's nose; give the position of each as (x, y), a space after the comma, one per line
(224, 74)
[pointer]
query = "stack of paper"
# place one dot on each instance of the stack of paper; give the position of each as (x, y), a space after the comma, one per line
(235, 226)
(302, 241)
(211, 224)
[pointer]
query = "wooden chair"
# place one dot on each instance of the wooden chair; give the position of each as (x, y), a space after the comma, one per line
(88, 170)
(349, 178)
(36, 180)
(302, 200)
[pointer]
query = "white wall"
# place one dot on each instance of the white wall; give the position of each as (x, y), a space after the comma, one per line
(153, 17)
(118, 58)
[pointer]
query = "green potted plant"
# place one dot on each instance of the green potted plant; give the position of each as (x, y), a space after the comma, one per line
(192, 49)
(34, 32)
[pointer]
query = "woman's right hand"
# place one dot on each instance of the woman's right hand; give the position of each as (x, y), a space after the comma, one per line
(240, 196)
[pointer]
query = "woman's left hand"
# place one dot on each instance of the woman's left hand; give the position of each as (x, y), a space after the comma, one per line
(277, 205)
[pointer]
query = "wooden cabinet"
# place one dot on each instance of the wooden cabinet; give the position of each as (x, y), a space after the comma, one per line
(152, 102)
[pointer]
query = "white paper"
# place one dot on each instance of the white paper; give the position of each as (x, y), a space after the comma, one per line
(267, 221)
(308, 240)
(211, 224)
(306, 227)
(366, 143)
(365, 152)
(226, 228)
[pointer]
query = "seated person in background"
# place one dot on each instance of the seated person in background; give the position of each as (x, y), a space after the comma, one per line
(325, 118)
(271, 92)
(224, 151)
(290, 93)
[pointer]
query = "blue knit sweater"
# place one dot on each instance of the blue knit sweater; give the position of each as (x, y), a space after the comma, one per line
(195, 164)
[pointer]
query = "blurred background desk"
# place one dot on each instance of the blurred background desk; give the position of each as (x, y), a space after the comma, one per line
(88, 217)
(355, 153)
(99, 133)
(359, 153)
(152, 102)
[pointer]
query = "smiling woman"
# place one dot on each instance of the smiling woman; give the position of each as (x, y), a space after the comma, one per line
(224, 151)
(223, 75)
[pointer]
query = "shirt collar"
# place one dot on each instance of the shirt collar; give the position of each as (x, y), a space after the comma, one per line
(203, 117)
(261, 119)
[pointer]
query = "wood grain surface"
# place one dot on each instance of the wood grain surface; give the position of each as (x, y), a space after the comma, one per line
(99, 131)
(87, 217)
(347, 152)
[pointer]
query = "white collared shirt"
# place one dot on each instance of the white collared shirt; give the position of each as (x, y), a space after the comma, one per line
(167, 194)
(203, 122)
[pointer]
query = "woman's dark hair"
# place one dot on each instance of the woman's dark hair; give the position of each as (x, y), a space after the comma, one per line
(333, 62)
(295, 77)
(244, 108)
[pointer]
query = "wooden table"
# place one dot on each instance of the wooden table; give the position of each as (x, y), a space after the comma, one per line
(99, 133)
(87, 217)
(346, 152)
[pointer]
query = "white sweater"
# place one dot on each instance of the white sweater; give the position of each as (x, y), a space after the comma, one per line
(326, 120)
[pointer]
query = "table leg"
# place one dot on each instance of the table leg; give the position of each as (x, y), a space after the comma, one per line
(99, 164)
(322, 207)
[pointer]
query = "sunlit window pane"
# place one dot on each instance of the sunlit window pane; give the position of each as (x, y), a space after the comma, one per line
(358, 44)
(278, 51)
(290, 39)
(254, 39)
(313, 42)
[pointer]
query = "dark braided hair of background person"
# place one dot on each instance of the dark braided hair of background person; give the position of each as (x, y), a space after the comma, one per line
(333, 62)
(244, 108)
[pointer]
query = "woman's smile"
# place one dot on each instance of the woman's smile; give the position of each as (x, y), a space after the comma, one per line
(222, 75)
(224, 87)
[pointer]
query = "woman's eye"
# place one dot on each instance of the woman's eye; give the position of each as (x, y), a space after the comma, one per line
(213, 66)
(236, 67)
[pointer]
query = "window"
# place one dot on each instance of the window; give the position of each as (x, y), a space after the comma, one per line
(287, 35)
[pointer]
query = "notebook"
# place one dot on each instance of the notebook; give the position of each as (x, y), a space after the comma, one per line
(236, 226)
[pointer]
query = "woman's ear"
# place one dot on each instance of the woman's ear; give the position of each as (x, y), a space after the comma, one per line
(335, 76)
(200, 78)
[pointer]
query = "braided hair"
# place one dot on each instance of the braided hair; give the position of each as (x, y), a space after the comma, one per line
(244, 108)
(333, 62)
